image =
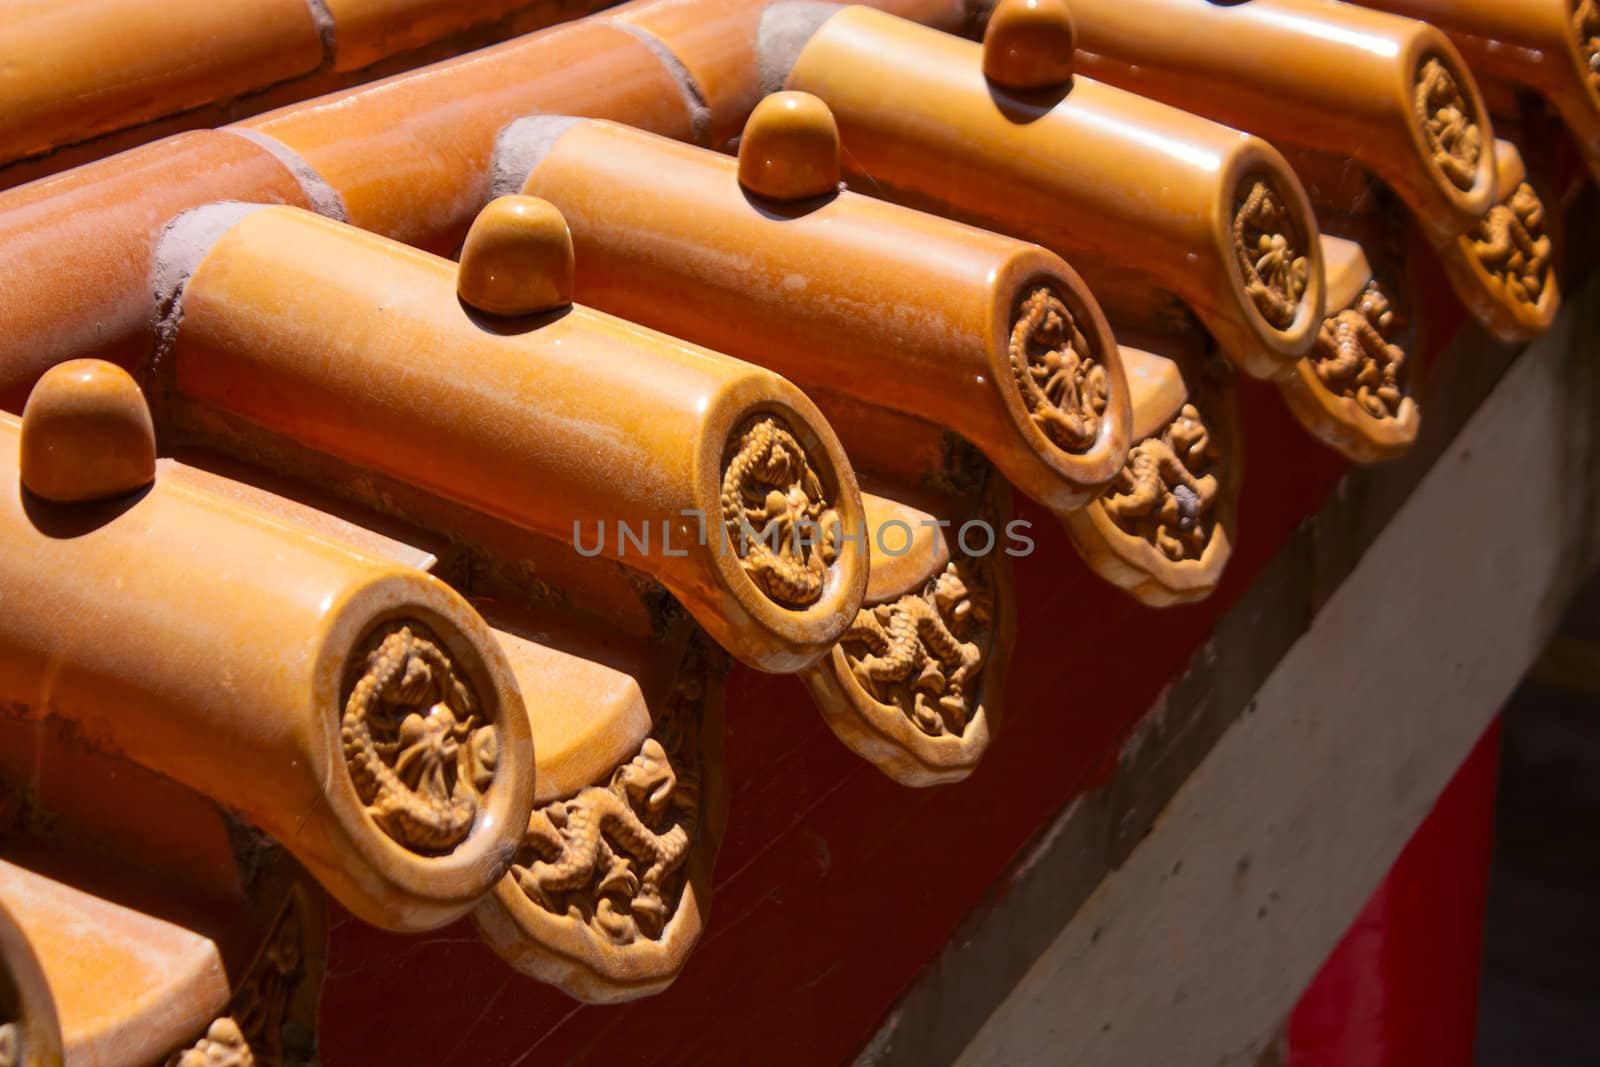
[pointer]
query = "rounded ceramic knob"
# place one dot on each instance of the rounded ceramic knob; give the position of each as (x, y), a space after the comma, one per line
(790, 148)
(87, 434)
(1028, 44)
(517, 259)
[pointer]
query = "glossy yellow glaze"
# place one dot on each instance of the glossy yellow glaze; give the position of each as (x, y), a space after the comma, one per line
(71, 69)
(358, 346)
(899, 308)
(1529, 42)
(1350, 90)
(409, 155)
(1156, 387)
(1101, 176)
(221, 662)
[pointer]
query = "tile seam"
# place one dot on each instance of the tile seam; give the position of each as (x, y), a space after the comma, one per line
(693, 96)
(183, 243)
(784, 30)
(520, 147)
(319, 192)
(327, 29)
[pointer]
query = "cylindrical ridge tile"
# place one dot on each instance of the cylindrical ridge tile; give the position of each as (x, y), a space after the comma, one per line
(719, 479)
(1094, 173)
(1552, 46)
(365, 31)
(359, 712)
(87, 237)
(989, 336)
(1392, 93)
(715, 47)
(410, 154)
(71, 69)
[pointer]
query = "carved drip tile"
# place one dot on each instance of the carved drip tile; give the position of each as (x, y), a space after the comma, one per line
(916, 685)
(30, 1029)
(127, 986)
(717, 479)
(1164, 530)
(1508, 259)
(610, 888)
(89, 979)
(994, 338)
(1135, 194)
(378, 734)
(1355, 391)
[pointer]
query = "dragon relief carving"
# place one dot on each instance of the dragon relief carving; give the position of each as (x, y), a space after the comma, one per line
(613, 856)
(1167, 491)
(1063, 387)
(1586, 24)
(924, 652)
(1271, 253)
(777, 514)
(1511, 245)
(223, 1046)
(416, 750)
(1354, 356)
(1453, 135)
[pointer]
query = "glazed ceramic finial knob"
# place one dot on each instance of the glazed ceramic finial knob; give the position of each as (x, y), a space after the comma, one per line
(1028, 44)
(87, 434)
(790, 148)
(517, 259)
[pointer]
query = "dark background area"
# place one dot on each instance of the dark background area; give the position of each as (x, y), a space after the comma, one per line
(1540, 1001)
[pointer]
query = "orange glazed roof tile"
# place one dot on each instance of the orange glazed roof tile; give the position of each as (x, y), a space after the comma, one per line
(337, 574)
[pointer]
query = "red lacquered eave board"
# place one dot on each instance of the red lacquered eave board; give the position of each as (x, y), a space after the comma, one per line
(835, 886)
(1401, 990)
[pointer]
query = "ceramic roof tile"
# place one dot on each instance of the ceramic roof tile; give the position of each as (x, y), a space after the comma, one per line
(353, 601)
